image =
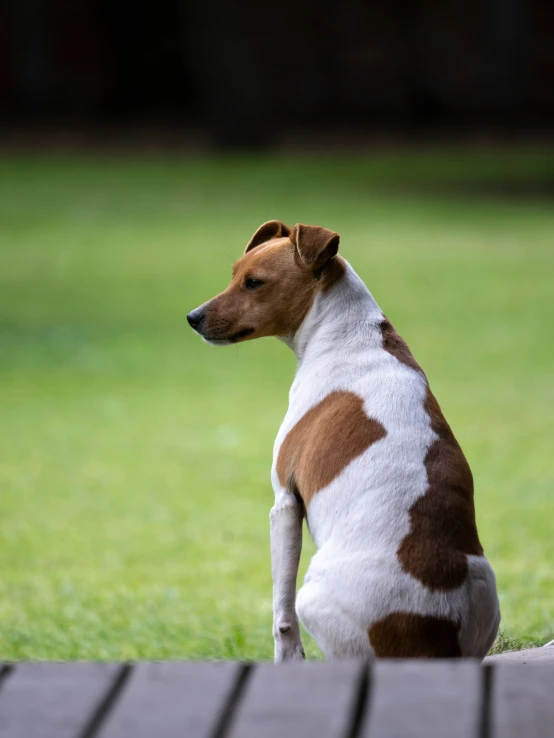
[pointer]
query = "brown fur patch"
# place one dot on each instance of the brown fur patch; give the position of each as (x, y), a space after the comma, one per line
(324, 441)
(332, 272)
(443, 530)
(315, 244)
(396, 346)
(404, 635)
(267, 231)
(277, 308)
(280, 304)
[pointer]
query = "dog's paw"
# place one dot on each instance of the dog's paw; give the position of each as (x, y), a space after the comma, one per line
(294, 654)
(289, 650)
(286, 634)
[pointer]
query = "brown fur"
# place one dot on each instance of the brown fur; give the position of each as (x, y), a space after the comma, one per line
(277, 308)
(397, 346)
(403, 635)
(266, 232)
(332, 272)
(290, 284)
(315, 244)
(443, 530)
(324, 441)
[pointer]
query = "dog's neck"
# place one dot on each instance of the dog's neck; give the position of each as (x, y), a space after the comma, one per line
(337, 320)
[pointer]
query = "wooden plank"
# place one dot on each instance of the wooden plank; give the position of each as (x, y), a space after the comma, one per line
(543, 654)
(424, 698)
(52, 700)
(171, 700)
(522, 701)
(298, 700)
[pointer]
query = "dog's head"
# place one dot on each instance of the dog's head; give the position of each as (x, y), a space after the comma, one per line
(273, 285)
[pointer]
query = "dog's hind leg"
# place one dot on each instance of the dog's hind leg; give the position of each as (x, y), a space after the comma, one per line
(335, 631)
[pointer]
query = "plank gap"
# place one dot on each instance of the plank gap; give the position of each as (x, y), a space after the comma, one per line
(360, 704)
(232, 703)
(5, 671)
(486, 702)
(107, 703)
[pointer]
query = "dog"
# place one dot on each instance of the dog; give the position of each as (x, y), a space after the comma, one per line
(365, 455)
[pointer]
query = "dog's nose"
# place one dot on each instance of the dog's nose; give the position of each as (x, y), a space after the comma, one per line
(195, 318)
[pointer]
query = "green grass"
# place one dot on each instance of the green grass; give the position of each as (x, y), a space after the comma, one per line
(134, 460)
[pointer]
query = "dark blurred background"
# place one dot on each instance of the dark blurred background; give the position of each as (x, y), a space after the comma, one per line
(245, 74)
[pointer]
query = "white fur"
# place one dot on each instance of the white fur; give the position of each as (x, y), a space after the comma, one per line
(360, 519)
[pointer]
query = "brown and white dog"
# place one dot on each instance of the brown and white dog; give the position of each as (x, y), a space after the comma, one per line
(365, 454)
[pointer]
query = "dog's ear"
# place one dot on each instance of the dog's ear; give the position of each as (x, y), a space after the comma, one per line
(266, 232)
(315, 244)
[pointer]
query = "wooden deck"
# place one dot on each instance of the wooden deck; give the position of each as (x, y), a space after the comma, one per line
(321, 700)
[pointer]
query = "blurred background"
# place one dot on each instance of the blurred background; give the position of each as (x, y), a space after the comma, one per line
(251, 75)
(140, 148)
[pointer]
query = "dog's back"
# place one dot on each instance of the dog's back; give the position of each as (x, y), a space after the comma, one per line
(365, 452)
(388, 496)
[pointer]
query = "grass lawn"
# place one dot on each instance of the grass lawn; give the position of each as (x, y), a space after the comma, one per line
(134, 460)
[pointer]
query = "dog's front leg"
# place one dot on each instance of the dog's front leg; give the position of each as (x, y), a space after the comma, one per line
(285, 521)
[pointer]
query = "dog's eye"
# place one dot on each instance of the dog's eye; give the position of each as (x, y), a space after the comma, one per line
(252, 284)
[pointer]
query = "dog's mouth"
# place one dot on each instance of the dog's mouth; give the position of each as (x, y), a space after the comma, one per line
(241, 334)
(224, 341)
